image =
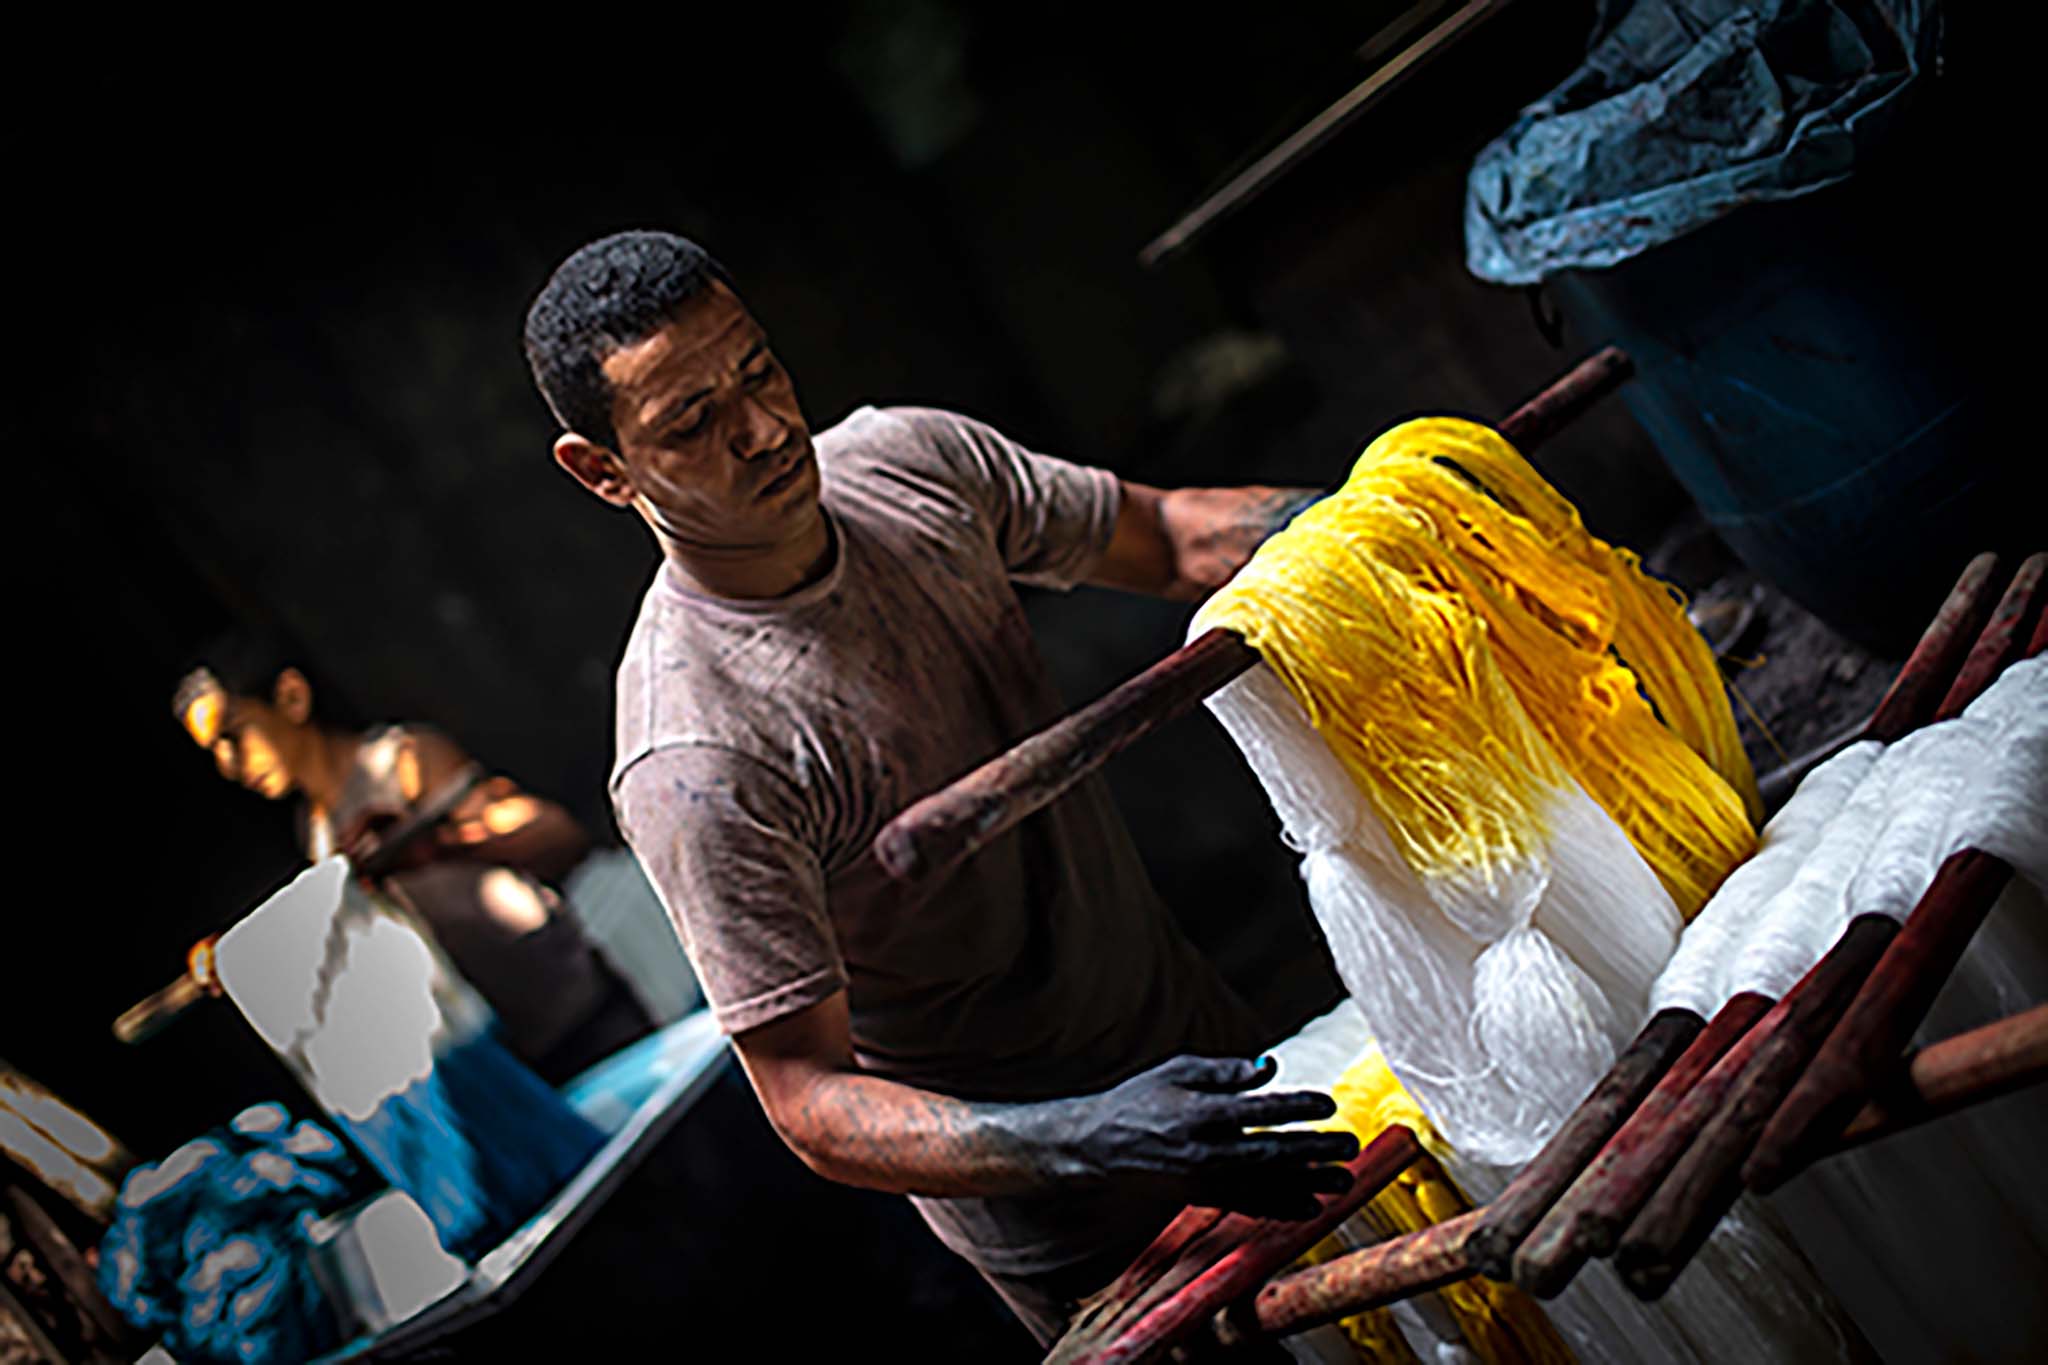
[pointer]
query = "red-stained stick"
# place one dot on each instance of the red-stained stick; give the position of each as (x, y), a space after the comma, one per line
(1272, 1244)
(2003, 638)
(1955, 1073)
(1175, 1246)
(1942, 1078)
(1501, 1226)
(1879, 1021)
(1931, 668)
(1355, 1282)
(937, 831)
(1591, 1214)
(1718, 1122)
(1909, 703)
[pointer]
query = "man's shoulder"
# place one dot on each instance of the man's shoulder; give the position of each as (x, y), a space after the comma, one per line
(694, 678)
(903, 436)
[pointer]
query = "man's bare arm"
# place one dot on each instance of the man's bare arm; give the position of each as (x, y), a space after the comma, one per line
(497, 822)
(1179, 1125)
(1184, 543)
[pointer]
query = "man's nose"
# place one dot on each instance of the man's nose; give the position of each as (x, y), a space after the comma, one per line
(761, 431)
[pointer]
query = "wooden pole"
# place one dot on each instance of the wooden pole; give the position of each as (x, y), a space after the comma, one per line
(2003, 637)
(1717, 1124)
(1198, 1281)
(1955, 1073)
(1943, 1078)
(1930, 670)
(937, 831)
(1395, 1269)
(1589, 1217)
(1503, 1225)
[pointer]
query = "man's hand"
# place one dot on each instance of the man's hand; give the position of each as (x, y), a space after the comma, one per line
(1184, 543)
(1179, 1126)
(1182, 1123)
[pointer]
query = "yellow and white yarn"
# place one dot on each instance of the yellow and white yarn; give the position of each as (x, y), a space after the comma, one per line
(1507, 758)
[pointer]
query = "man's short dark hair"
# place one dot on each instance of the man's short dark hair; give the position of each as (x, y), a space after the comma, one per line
(615, 291)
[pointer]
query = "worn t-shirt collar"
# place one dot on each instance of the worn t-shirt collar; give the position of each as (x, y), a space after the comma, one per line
(756, 608)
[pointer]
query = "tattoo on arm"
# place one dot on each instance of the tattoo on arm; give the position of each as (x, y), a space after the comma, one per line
(1213, 531)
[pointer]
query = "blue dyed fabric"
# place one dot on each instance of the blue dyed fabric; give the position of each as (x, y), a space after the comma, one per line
(208, 1246)
(1686, 110)
(480, 1142)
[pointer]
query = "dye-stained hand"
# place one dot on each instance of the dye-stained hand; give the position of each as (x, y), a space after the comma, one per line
(1184, 543)
(1184, 1123)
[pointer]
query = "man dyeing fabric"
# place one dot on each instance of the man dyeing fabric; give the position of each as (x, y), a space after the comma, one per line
(1029, 1048)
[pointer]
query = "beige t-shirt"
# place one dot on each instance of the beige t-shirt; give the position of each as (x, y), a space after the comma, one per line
(761, 746)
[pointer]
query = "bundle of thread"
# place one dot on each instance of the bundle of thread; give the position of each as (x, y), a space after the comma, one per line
(1510, 766)
(208, 1247)
(1865, 834)
(1508, 761)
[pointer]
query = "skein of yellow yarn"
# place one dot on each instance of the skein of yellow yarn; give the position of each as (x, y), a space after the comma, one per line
(1502, 1325)
(1460, 641)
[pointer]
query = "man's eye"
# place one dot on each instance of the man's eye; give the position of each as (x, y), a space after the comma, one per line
(761, 376)
(688, 429)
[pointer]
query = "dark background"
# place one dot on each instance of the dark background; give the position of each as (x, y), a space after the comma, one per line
(283, 304)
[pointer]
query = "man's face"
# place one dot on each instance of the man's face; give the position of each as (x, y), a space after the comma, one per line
(252, 741)
(710, 433)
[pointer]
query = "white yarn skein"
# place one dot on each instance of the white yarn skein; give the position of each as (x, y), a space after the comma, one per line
(1977, 781)
(1805, 917)
(1699, 975)
(2005, 808)
(1499, 1006)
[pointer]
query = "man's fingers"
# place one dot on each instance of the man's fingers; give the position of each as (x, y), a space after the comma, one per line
(1273, 1109)
(1220, 1075)
(1282, 1149)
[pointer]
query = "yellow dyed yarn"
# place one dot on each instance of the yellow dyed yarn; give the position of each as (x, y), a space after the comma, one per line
(1462, 643)
(1502, 1325)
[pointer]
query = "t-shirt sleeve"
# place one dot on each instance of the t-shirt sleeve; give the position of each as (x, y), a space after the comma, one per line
(722, 838)
(1051, 519)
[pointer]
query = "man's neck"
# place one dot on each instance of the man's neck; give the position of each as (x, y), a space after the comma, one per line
(752, 574)
(323, 771)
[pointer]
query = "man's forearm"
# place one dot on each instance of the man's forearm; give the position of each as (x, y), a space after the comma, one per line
(1213, 531)
(523, 832)
(1184, 543)
(866, 1130)
(1180, 1125)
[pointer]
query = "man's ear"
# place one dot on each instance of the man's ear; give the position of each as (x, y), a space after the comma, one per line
(293, 696)
(595, 467)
